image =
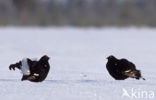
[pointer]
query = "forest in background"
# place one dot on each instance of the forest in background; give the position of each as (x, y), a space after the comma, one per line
(78, 12)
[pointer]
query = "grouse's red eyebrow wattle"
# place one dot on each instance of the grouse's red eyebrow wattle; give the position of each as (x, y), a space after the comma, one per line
(110, 57)
(46, 56)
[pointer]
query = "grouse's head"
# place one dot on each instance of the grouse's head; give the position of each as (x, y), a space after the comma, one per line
(45, 58)
(111, 57)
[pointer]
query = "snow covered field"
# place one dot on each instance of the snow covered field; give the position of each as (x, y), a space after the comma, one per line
(78, 59)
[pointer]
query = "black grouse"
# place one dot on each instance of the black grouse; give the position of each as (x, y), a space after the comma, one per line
(33, 70)
(121, 69)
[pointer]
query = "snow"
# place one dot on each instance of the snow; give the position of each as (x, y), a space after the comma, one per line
(77, 59)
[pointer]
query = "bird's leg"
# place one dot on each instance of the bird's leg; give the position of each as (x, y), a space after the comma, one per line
(31, 78)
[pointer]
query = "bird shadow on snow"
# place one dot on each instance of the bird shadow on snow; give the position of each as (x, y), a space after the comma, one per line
(9, 80)
(89, 82)
(57, 81)
(74, 81)
(104, 82)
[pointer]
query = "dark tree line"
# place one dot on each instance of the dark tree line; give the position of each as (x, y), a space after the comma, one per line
(78, 12)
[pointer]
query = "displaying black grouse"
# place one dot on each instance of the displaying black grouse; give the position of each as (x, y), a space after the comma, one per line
(33, 70)
(121, 69)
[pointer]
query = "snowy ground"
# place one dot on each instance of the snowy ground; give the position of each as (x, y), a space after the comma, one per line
(78, 59)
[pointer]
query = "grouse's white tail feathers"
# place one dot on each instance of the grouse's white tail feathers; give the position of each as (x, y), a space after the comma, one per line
(25, 67)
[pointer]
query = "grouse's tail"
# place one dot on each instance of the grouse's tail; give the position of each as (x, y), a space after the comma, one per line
(134, 74)
(138, 75)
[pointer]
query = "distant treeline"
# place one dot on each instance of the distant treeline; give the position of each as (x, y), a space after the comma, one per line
(78, 12)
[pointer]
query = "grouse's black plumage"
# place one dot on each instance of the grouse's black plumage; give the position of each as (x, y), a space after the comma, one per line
(38, 69)
(121, 69)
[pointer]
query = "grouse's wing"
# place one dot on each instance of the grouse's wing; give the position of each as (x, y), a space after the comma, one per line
(132, 66)
(124, 64)
(128, 68)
